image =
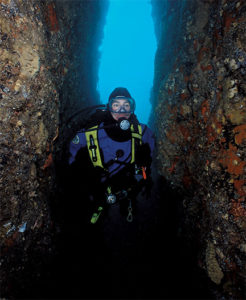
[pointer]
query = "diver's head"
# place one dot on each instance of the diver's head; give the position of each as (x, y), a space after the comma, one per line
(121, 104)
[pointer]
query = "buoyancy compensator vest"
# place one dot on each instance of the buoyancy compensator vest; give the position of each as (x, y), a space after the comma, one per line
(93, 144)
(116, 130)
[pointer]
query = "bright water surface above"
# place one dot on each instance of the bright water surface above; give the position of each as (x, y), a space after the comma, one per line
(127, 53)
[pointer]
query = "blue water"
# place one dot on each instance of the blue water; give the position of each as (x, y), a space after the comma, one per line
(127, 53)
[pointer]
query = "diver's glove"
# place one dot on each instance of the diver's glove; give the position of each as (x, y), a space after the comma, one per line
(147, 186)
(143, 155)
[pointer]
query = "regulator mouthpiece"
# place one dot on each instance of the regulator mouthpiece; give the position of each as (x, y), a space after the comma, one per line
(124, 124)
(111, 199)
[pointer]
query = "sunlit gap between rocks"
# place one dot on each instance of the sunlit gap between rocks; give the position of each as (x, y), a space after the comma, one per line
(127, 53)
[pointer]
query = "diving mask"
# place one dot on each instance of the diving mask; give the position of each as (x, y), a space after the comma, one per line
(122, 105)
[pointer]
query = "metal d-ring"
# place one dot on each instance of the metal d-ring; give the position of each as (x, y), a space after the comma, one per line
(130, 216)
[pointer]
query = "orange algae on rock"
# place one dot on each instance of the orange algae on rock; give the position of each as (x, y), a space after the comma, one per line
(214, 130)
(48, 161)
(183, 96)
(185, 131)
(218, 95)
(173, 111)
(217, 35)
(52, 18)
(171, 169)
(206, 68)
(240, 134)
(170, 92)
(187, 78)
(211, 135)
(237, 210)
(171, 137)
(228, 19)
(195, 45)
(205, 110)
(232, 162)
(240, 186)
(187, 181)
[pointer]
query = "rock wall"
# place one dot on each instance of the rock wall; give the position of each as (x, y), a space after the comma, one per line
(200, 98)
(48, 69)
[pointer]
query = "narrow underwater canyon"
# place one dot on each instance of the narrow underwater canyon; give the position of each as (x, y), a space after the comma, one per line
(194, 234)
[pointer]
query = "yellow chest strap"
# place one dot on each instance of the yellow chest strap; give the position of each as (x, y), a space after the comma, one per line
(93, 145)
(134, 137)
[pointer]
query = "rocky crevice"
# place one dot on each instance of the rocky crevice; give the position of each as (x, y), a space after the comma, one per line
(200, 117)
(48, 69)
(49, 62)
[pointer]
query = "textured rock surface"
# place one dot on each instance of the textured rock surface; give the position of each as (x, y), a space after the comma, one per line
(46, 48)
(48, 71)
(200, 98)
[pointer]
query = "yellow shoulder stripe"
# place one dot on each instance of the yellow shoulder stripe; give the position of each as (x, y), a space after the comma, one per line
(135, 136)
(93, 147)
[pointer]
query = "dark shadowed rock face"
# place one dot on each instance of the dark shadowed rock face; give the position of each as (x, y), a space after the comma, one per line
(200, 98)
(48, 66)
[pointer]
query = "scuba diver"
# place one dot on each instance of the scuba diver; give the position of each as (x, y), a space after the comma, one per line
(110, 159)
